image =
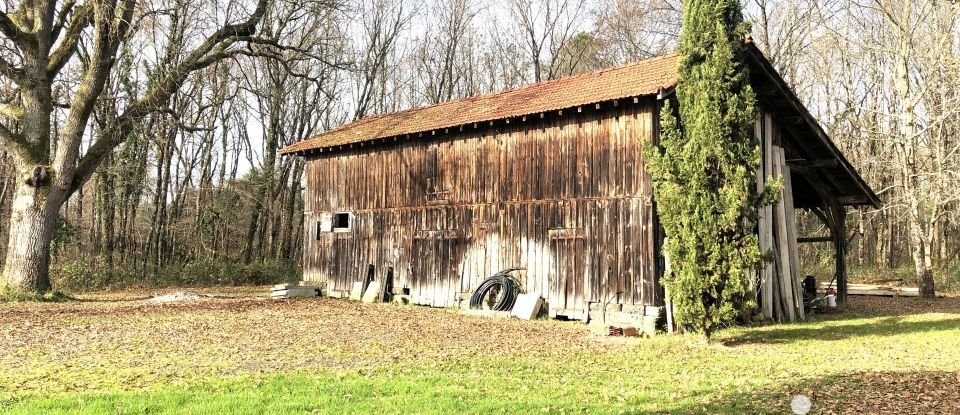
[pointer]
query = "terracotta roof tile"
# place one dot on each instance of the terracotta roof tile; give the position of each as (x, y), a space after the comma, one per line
(646, 77)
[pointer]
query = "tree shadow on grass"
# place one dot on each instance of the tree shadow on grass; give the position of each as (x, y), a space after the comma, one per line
(883, 392)
(887, 326)
(874, 306)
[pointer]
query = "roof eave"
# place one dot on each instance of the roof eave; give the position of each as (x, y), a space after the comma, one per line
(665, 90)
(760, 62)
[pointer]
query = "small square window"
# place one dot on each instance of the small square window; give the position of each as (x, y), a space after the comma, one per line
(341, 221)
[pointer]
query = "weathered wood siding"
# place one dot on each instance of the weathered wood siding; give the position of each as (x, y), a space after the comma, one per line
(565, 196)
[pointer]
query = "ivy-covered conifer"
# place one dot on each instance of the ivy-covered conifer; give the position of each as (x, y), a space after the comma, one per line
(704, 170)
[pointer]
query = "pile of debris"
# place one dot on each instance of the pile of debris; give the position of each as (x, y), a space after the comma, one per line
(627, 331)
(176, 297)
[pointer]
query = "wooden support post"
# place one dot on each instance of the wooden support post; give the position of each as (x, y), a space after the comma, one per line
(840, 243)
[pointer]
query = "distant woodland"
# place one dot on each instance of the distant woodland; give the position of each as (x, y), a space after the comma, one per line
(196, 193)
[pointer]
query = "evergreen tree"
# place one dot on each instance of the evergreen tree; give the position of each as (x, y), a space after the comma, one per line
(704, 172)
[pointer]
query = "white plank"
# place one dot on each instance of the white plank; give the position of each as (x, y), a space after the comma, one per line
(293, 293)
(357, 291)
(372, 295)
(766, 228)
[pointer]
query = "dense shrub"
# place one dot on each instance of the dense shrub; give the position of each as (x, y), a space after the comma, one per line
(705, 170)
(949, 279)
(94, 273)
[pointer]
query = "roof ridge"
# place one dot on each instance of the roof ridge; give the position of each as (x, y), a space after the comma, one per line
(651, 75)
(518, 88)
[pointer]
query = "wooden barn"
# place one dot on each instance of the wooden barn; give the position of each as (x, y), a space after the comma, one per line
(549, 177)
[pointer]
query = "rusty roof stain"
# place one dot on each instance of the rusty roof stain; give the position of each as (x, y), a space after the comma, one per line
(646, 77)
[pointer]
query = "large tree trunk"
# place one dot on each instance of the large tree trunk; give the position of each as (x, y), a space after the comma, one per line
(922, 262)
(32, 35)
(32, 220)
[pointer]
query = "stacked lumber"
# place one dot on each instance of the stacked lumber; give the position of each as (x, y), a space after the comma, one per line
(294, 290)
(780, 287)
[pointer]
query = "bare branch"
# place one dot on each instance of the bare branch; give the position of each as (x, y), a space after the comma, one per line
(80, 20)
(61, 19)
(213, 49)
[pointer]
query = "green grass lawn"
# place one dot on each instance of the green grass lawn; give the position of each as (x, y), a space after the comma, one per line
(329, 356)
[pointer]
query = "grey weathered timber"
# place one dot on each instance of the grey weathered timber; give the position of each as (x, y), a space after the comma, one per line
(566, 197)
(785, 274)
(791, 238)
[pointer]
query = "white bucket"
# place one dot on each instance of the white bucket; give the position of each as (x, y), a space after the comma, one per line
(831, 301)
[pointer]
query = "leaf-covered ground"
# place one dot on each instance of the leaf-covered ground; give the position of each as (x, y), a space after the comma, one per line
(241, 353)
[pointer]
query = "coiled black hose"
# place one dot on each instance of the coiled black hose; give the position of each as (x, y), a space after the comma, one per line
(508, 288)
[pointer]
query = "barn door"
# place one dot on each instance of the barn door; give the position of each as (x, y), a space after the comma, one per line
(425, 269)
(437, 251)
(567, 274)
(568, 281)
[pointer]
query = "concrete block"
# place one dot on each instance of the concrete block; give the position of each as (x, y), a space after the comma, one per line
(527, 306)
(609, 307)
(356, 293)
(401, 299)
(629, 308)
(372, 295)
(609, 316)
(620, 318)
(649, 325)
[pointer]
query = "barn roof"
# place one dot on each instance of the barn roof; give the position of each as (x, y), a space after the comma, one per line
(646, 77)
(811, 148)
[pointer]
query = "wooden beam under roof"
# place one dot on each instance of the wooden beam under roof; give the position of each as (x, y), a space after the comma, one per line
(764, 68)
(813, 164)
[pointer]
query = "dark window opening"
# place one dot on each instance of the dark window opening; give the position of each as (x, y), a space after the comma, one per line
(341, 221)
(319, 229)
